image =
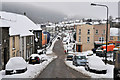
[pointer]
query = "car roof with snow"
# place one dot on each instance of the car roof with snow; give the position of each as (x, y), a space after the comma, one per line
(70, 54)
(95, 60)
(16, 63)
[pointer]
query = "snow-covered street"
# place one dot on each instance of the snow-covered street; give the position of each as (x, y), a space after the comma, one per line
(32, 70)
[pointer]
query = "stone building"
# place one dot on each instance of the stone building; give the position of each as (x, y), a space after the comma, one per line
(97, 34)
(100, 32)
(21, 39)
(26, 46)
(14, 45)
(84, 37)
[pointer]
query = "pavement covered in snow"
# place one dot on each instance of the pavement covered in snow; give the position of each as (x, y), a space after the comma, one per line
(81, 69)
(32, 70)
(49, 50)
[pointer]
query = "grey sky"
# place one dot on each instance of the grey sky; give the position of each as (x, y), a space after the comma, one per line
(77, 9)
(82, 9)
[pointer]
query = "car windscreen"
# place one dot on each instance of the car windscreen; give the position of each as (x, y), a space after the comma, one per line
(81, 57)
(69, 56)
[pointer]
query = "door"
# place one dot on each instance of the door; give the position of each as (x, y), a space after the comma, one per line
(5, 57)
(79, 48)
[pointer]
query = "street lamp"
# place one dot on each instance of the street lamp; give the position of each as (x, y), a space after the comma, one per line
(106, 28)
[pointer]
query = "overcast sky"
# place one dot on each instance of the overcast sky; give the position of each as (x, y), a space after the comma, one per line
(82, 9)
(70, 8)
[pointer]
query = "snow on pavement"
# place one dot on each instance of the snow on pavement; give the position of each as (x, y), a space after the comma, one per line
(49, 51)
(32, 70)
(81, 69)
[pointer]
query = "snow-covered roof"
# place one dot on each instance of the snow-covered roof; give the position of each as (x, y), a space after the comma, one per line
(95, 23)
(114, 32)
(19, 24)
(38, 28)
(3, 24)
(103, 22)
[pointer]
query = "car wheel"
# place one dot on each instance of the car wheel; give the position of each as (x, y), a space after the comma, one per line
(86, 68)
(73, 63)
(76, 65)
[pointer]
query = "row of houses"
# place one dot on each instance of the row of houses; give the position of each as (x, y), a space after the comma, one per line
(19, 36)
(93, 36)
(89, 35)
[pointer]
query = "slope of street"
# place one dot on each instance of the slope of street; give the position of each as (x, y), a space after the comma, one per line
(57, 68)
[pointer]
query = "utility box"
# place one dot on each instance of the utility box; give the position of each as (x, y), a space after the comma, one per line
(117, 65)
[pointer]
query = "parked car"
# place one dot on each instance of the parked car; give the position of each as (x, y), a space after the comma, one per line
(15, 65)
(59, 37)
(100, 53)
(65, 40)
(69, 48)
(96, 65)
(41, 51)
(34, 59)
(70, 57)
(43, 59)
(79, 60)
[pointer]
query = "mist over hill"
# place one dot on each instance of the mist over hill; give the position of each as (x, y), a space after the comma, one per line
(36, 14)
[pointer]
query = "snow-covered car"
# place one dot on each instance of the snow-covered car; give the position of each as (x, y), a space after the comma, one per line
(79, 60)
(100, 53)
(59, 37)
(41, 51)
(34, 59)
(96, 65)
(65, 40)
(69, 57)
(15, 65)
(43, 59)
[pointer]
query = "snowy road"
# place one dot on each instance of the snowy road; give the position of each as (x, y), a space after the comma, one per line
(57, 68)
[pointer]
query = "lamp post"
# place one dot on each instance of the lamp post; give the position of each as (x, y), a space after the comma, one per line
(106, 27)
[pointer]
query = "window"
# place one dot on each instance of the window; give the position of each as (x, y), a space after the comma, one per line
(88, 39)
(118, 58)
(79, 31)
(31, 40)
(96, 31)
(13, 54)
(38, 35)
(118, 38)
(35, 34)
(103, 31)
(101, 39)
(88, 31)
(111, 37)
(13, 41)
(79, 38)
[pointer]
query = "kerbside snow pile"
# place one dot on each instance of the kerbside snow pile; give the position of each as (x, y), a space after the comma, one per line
(81, 69)
(49, 51)
(32, 70)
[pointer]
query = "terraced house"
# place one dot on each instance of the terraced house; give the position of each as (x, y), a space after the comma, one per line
(14, 45)
(21, 39)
